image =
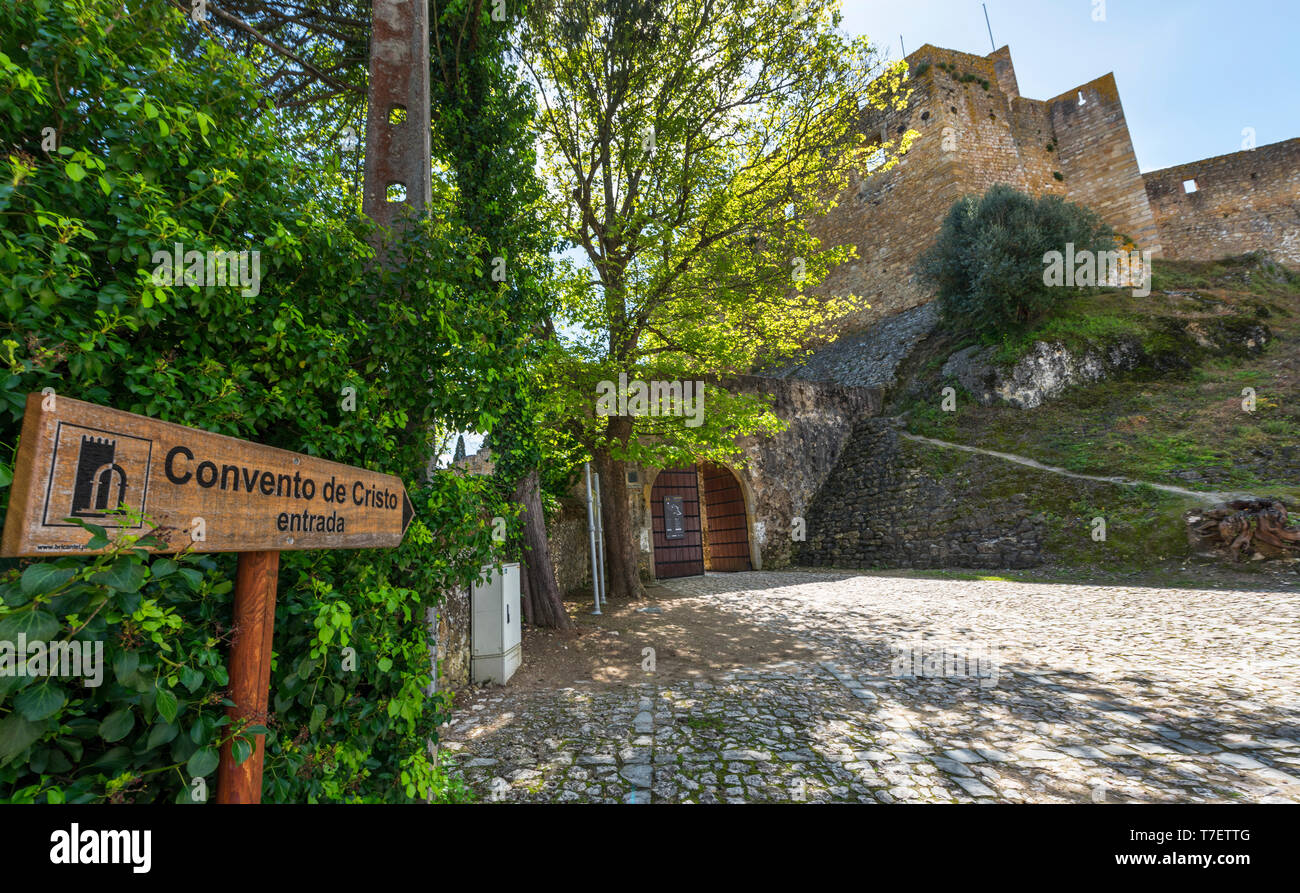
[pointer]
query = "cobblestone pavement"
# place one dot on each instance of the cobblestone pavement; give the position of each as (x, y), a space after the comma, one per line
(928, 690)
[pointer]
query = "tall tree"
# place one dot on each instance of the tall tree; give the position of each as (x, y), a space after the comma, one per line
(686, 145)
(312, 60)
(483, 114)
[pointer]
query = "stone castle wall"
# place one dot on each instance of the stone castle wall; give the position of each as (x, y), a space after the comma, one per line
(1098, 162)
(1246, 201)
(780, 473)
(975, 130)
(784, 472)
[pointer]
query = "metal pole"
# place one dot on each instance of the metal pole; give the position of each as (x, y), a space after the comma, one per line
(250, 672)
(902, 46)
(992, 43)
(600, 540)
(591, 535)
(398, 151)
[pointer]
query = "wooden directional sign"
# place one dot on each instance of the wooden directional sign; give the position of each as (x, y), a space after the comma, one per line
(79, 460)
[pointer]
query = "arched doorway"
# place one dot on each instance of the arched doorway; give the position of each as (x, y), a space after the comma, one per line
(675, 523)
(726, 523)
(699, 522)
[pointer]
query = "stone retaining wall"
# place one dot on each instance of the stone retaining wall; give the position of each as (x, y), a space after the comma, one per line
(888, 504)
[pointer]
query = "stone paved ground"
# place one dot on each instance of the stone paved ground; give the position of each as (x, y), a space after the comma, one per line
(928, 690)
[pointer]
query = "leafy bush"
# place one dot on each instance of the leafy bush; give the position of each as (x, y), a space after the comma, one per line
(987, 263)
(162, 137)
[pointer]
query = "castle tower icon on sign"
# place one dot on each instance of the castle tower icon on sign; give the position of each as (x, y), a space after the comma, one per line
(100, 484)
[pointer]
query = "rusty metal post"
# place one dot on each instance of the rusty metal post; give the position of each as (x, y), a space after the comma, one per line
(250, 671)
(397, 117)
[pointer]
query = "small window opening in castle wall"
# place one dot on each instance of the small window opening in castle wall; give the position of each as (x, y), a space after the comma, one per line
(1189, 186)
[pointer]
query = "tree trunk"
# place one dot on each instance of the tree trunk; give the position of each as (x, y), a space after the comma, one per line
(1243, 528)
(620, 548)
(541, 596)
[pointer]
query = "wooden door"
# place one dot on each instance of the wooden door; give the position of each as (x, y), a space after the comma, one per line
(727, 534)
(675, 520)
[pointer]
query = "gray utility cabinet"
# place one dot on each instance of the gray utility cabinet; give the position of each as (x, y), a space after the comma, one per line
(495, 626)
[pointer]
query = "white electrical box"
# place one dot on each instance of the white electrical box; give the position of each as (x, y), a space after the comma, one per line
(495, 630)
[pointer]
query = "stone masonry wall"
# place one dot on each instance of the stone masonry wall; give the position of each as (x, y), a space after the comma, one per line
(890, 216)
(975, 131)
(449, 626)
(784, 472)
(885, 505)
(570, 545)
(1098, 161)
(1246, 201)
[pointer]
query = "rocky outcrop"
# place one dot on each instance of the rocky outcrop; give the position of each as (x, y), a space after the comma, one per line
(1048, 369)
(1042, 374)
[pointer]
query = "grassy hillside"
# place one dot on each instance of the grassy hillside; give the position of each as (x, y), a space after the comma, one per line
(1178, 418)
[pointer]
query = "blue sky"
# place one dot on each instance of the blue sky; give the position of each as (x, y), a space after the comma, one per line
(1191, 73)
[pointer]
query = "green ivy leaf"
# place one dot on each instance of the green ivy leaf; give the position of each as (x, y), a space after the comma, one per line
(114, 761)
(117, 724)
(34, 624)
(76, 172)
(125, 575)
(162, 568)
(42, 579)
(160, 734)
(203, 762)
(166, 703)
(191, 678)
(241, 749)
(17, 734)
(125, 664)
(13, 595)
(36, 702)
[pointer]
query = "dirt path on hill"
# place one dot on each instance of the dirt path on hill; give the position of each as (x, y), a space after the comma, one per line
(1203, 495)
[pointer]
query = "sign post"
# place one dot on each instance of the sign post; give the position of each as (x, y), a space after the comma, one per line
(195, 491)
(250, 672)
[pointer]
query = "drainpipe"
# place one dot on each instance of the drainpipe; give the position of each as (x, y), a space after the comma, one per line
(591, 535)
(600, 541)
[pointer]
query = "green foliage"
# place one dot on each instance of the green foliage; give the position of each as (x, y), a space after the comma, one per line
(163, 138)
(483, 128)
(988, 260)
(1256, 273)
(686, 145)
(960, 78)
